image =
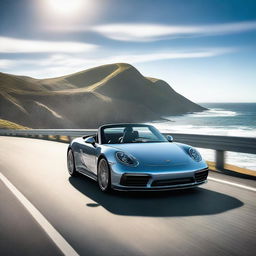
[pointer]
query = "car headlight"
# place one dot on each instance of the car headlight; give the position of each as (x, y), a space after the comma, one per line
(126, 159)
(194, 154)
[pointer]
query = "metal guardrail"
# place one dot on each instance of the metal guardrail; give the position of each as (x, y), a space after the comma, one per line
(47, 132)
(218, 143)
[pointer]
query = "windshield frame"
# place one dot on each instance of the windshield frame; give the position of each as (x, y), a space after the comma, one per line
(154, 130)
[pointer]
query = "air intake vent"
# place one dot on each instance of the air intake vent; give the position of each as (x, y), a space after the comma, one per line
(201, 175)
(134, 180)
(172, 182)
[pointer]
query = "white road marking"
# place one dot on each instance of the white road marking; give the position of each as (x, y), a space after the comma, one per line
(233, 184)
(57, 238)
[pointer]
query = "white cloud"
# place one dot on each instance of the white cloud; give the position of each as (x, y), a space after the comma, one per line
(138, 58)
(63, 64)
(67, 60)
(14, 45)
(152, 32)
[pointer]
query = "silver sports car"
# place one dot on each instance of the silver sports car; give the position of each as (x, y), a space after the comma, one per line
(135, 157)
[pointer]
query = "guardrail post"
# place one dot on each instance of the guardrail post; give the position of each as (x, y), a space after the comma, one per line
(45, 137)
(220, 159)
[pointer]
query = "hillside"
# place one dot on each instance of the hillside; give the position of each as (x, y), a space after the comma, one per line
(87, 99)
(4, 124)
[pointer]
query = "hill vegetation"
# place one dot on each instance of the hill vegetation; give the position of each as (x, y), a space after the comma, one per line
(5, 124)
(87, 99)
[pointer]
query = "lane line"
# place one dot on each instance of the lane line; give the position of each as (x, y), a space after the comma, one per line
(233, 184)
(57, 238)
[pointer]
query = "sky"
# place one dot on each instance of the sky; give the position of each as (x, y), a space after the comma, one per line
(205, 49)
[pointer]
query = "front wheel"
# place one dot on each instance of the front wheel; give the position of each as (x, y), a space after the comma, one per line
(104, 176)
(71, 163)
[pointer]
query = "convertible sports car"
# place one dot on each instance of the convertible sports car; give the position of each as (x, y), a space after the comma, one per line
(135, 157)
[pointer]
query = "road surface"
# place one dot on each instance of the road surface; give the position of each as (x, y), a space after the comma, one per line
(215, 219)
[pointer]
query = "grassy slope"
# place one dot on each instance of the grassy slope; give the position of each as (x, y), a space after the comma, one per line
(5, 124)
(109, 93)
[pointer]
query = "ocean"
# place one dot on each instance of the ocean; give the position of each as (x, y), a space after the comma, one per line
(229, 119)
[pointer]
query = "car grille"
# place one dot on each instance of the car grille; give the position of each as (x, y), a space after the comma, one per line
(134, 180)
(201, 175)
(171, 182)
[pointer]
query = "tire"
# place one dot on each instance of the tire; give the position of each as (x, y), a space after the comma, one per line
(71, 163)
(104, 176)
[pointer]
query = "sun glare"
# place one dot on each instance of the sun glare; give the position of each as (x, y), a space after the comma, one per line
(66, 7)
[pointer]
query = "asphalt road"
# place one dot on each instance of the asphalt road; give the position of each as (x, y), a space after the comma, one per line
(215, 219)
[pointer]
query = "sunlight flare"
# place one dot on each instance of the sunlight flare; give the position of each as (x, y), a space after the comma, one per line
(66, 7)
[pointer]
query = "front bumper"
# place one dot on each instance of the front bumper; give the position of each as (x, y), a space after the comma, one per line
(145, 181)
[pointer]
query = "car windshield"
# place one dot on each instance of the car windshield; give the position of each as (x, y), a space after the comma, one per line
(131, 134)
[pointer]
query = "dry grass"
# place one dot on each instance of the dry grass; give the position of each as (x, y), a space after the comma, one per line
(62, 82)
(4, 124)
(87, 99)
(233, 168)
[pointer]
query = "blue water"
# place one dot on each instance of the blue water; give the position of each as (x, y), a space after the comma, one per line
(229, 119)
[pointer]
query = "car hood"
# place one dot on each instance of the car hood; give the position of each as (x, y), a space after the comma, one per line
(155, 154)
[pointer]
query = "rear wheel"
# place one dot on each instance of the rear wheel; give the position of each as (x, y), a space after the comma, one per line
(104, 176)
(71, 163)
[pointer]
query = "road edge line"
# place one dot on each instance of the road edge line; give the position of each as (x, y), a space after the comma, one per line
(55, 236)
(233, 184)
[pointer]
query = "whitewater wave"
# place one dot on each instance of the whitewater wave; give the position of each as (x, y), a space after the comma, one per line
(214, 112)
(239, 159)
(235, 120)
(240, 131)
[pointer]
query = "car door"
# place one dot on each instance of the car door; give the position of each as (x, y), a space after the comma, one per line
(87, 156)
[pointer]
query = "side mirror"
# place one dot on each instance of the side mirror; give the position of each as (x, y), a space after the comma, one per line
(90, 140)
(169, 138)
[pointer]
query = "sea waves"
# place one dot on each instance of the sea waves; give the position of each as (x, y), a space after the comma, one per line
(214, 113)
(215, 121)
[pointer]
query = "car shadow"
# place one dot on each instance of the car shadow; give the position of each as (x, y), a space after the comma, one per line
(188, 202)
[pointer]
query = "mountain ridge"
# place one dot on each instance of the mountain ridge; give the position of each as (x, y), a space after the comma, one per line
(109, 93)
